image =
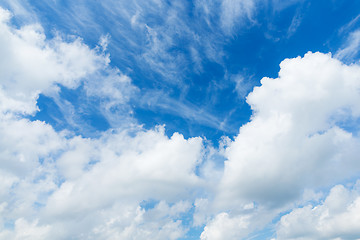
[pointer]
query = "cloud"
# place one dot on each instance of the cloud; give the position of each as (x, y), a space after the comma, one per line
(337, 217)
(58, 185)
(225, 227)
(87, 185)
(295, 23)
(31, 64)
(146, 162)
(156, 223)
(295, 123)
(24, 229)
(234, 12)
(350, 49)
(295, 140)
(159, 101)
(242, 84)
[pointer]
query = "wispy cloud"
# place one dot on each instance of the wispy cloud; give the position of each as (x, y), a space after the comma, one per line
(295, 23)
(161, 102)
(235, 12)
(351, 48)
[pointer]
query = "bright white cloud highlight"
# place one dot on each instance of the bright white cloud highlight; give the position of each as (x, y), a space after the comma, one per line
(31, 64)
(225, 227)
(335, 218)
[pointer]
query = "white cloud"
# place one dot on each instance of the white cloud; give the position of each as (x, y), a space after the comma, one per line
(25, 143)
(225, 227)
(92, 188)
(335, 218)
(160, 101)
(152, 164)
(242, 85)
(293, 142)
(56, 185)
(75, 186)
(351, 48)
(31, 64)
(234, 12)
(295, 23)
(24, 229)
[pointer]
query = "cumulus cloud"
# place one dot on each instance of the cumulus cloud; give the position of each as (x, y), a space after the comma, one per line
(337, 217)
(157, 223)
(93, 187)
(296, 139)
(31, 64)
(57, 185)
(225, 227)
(140, 167)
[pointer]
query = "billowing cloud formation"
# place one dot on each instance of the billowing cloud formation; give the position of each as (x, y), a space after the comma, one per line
(225, 227)
(295, 140)
(30, 64)
(336, 218)
(57, 185)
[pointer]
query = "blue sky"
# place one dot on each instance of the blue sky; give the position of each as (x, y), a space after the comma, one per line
(226, 119)
(202, 83)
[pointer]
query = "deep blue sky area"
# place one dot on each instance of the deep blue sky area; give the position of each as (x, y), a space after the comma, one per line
(252, 50)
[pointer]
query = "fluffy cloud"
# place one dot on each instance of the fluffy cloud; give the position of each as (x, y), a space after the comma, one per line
(147, 166)
(31, 64)
(225, 227)
(336, 218)
(295, 140)
(93, 187)
(27, 175)
(295, 137)
(155, 223)
(57, 185)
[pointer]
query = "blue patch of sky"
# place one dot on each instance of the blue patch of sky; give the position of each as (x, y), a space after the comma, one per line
(149, 204)
(187, 222)
(73, 111)
(194, 233)
(253, 50)
(10, 225)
